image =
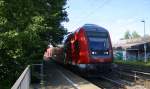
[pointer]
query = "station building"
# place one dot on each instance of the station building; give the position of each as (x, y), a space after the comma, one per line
(132, 49)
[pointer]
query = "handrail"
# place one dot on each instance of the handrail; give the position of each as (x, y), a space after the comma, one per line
(139, 72)
(18, 83)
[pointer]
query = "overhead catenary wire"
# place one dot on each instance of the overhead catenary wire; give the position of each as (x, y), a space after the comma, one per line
(90, 14)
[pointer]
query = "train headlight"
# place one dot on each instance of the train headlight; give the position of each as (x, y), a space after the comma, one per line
(106, 53)
(93, 53)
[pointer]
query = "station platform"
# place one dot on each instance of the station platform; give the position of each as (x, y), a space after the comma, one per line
(56, 77)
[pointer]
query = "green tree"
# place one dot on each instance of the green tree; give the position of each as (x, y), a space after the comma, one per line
(26, 27)
(135, 34)
(127, 35)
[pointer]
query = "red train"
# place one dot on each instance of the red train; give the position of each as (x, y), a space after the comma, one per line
(89, 48)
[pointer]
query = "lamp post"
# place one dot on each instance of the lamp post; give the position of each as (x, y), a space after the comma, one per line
(145, 59)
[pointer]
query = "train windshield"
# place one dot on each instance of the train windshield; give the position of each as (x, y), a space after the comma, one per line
(98, 42)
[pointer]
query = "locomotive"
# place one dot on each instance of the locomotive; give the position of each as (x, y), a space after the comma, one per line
(89, 48)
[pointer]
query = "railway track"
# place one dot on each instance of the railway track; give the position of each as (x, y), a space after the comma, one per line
(120, 79)
(139, 78)
(117, 83)
(110, 81)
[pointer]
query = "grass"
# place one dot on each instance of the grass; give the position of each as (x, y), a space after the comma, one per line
(133, 62)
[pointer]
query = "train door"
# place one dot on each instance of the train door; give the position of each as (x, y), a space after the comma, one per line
(77, 50)
(67, 50)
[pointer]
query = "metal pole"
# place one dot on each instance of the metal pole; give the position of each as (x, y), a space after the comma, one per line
(42, 81)
(145, 59)
(135, 76)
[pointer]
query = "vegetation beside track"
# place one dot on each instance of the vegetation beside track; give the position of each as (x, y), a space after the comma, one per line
(26, 28)
(133, 62)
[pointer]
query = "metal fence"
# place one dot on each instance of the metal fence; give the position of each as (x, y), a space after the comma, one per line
(23, 81)
(38, 72)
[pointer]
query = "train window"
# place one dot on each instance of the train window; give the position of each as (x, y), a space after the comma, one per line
(76, 46)
(98, 43)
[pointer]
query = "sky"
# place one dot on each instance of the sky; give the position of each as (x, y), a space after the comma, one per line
(117, 16)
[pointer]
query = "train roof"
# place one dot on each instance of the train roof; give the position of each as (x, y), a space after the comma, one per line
(91, 27)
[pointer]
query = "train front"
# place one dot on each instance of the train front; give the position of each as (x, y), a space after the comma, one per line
(100, 54)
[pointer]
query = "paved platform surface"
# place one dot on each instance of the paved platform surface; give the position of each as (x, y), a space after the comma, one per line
(56, 77)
